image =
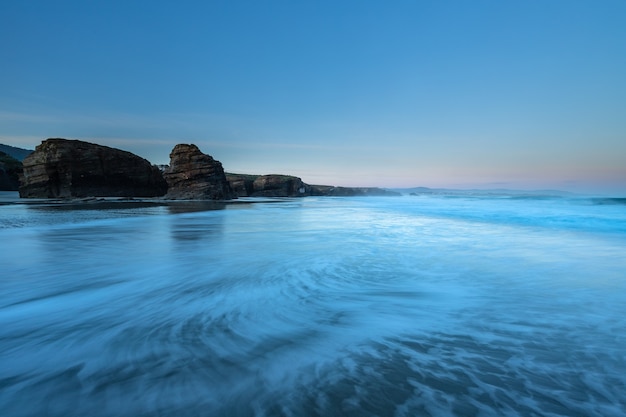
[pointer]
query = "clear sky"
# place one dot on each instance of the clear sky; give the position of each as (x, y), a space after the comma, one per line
(517, 94)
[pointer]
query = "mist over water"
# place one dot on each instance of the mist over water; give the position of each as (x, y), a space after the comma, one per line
(408, 306)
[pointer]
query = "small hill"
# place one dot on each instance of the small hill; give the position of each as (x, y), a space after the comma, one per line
(10, 169)
(17, 153)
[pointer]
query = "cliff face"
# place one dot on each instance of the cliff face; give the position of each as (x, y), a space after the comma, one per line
(194, 175)
(244, 185)
(73, 168)
(10, 170)
(62, 168)
(268, 185)
(332, 191)
(280, 186)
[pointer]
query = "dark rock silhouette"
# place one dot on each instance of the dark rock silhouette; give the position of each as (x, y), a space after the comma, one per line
(62, 168)
(280, 186)
(10, 170)
(332, 191)
(268, 185)
(244, 185)
(72, 168)
(193, 175)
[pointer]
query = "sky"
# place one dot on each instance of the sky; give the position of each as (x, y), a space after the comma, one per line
(466, 94)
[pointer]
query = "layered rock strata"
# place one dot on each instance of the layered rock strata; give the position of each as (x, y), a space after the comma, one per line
(193, 175)
(268, 185)
(62, 168)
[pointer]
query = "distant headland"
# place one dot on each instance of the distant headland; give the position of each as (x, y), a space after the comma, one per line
(69, 168)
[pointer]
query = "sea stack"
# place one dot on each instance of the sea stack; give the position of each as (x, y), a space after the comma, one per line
(193, 175)
(63, 168)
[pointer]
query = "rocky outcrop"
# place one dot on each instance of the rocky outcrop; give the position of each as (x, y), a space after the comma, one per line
(62, 168)
(280, 186)
(288, 186)
(268, 185)
(193, 175)
(332, 191)
(10, 170)
(73, 168)
(242, 185)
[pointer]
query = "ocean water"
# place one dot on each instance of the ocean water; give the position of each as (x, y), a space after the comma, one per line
(407, 306)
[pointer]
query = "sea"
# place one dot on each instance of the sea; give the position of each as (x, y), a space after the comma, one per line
(420, 305)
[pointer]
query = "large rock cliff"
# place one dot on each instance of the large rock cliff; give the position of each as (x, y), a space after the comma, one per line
(62, 168)
(73, 168)
(193, 175)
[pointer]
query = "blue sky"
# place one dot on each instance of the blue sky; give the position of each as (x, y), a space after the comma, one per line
(519, 94)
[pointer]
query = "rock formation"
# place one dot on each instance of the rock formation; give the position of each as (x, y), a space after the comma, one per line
(10, 170)
(280, 186)
(62, 168)
(73, 168)
(268, 185)
(332, 191)
(193, 175)
(244, 185)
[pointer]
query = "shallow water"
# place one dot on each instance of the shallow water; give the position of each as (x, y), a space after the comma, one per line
(408, 306)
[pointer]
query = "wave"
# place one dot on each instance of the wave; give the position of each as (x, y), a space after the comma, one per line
(316, 307)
